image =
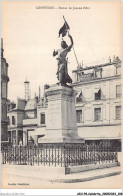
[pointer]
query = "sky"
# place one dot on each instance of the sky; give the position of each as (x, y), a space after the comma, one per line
(30, 35)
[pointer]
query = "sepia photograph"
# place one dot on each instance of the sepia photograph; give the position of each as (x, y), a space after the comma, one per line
(61, 94)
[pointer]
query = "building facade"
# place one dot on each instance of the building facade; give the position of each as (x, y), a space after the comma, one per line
(4, 92)
(98, 102)
(22, 117)
(30, 122)
(16, 115)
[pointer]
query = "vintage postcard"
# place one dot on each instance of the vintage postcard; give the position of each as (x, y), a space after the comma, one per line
(61, 95)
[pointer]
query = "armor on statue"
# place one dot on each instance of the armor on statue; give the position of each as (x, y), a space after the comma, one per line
(62, 72)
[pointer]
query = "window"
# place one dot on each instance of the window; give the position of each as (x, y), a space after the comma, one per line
(13, 105)
(3, 113)
(118, 112)
(20, 137)
(118, 90)
(97, 114)
(98, 73)
(79, 97)
(42, 118)
(13, 120)
(14, 137)
(8, 119)
(4, 91)
(77, 77)
(30, 136)
(79, 116)
(98, 95)
(4, 68)
(9, 136)
(8, 107)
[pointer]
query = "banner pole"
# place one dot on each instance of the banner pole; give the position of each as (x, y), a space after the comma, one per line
(73, 46)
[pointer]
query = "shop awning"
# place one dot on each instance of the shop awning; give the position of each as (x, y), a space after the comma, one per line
(100, 132)
(96, 90)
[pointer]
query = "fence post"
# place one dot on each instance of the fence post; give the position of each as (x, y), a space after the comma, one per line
(106, 150)
(35, 157)
(43, 157)
(14, 154)
(58, 154)
(94, 153)
(102, 153)
(87, 154)
(64, 147)
(4, 155)
(41, 149)
(20, 154)
(30, 156)
(38, 155)
(49, 154)
(55, 155)
(116, 156)
(46, 154)
(61, 155)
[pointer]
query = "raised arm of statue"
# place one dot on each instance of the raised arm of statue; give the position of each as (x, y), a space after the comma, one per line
(71, 39)
(55, 53)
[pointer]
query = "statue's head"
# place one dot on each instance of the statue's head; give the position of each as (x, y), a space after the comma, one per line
(63, 44)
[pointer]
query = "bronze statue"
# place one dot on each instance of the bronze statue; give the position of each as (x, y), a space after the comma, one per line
(62, 72)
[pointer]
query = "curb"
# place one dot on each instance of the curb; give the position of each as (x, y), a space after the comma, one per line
(85, 179)
(82, 168)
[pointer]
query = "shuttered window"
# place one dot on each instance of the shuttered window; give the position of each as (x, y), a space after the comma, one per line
(79, 116)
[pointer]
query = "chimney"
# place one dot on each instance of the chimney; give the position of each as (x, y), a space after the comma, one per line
(109, 59)
(114, 58)
(39, 97)
(82, 64)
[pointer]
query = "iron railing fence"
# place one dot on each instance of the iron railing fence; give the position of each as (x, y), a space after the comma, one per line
(59, 154)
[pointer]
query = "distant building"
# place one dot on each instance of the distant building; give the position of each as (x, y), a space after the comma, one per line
(30, 122)
(16, 114)
(22, 117)
(98, 102)
(41, 116)
(4, 92)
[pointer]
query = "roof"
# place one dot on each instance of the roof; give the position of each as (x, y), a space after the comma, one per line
(21, 104)
(31, 104)
(95, 67)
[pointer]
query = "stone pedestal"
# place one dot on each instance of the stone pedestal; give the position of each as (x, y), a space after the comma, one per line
(61, 116)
